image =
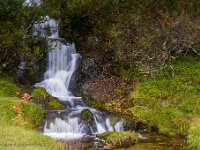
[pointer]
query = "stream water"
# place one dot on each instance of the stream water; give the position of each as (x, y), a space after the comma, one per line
(153, 141)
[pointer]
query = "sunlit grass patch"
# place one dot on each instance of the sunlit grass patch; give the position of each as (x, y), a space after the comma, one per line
(194, 135)
(18, 138)
(20, 113)
(169, 102)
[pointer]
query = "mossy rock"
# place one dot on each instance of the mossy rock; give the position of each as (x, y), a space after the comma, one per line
(44, 99)
(120, 139)
(87, 115)
(53, 103)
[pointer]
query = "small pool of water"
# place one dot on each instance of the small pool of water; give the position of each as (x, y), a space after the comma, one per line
(153, 141)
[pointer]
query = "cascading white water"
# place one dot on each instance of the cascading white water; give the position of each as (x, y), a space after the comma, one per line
(32, 2)
(62, 62)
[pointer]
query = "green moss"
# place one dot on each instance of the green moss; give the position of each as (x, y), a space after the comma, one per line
(86, 114)
(40, 93)
(169, 102)
(120, 139)
(54, 104)
(46, 99)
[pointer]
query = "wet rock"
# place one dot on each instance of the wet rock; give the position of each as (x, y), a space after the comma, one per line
(31, 73)
(86, 129)
(88, 120)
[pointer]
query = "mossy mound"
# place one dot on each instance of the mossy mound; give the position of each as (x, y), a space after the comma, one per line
(120, 139)
(87, 115)
(44, 99)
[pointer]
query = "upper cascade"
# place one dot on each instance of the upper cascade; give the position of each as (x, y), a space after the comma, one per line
(48, 28)
(32, 3)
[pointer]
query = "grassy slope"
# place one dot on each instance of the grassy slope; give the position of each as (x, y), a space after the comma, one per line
(18, 120)
(171, 103)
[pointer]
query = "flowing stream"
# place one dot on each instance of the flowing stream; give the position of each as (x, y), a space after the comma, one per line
(62, 63)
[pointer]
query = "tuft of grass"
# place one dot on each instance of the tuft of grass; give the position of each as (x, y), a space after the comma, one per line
(194, 135)
(120, 139)
(7, 86)
(169, 102)
(40, 93)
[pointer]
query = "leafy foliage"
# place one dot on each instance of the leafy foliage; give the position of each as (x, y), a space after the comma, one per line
(129, 34)
(17, 44)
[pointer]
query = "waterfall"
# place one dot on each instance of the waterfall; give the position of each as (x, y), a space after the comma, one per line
(62, 63)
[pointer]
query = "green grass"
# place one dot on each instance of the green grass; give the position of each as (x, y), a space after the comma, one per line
(18, 138)
(50, 102)
(7, 86)
(20, 113)
(19, 121)
(194, 134)
(170, 102)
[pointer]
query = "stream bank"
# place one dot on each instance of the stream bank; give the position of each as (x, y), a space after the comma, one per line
(147, 141)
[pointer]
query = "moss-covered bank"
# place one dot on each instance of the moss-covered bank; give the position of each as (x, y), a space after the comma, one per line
(44, 99)
(20, 120)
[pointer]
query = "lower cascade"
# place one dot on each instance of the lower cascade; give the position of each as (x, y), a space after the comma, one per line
(70, 123)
